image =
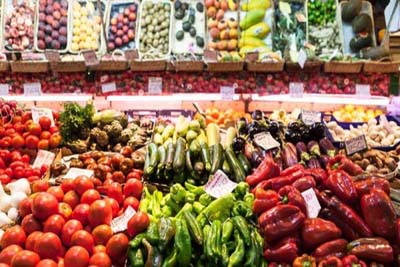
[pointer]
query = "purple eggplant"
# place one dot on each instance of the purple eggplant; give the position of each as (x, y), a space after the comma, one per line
(302, 153)
(289, 155)
(313, 163)
(313, 149)
(327, 147)
(323, 160)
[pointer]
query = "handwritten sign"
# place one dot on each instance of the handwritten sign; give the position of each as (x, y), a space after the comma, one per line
(251, 57)
(363, 90)
(37, 113)
(355, 145)
(155, 85)
(265, 141)
(210, 56)
(296, 90)
(309, 117)
(75, 172)
(43, 157)
(219, 185)
(32, 89)
(108, 87)
(227, 92)
(120, 223)
(312, 204)
(90, 57)
(52, 55)
(4, 88)
(131, 54)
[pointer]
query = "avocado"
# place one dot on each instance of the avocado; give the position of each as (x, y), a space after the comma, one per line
(199, 41)
(359, 42)
(191, 19)
(362, 23)
(192, 31)
(179, 35)
(351, 9)
(179, 14)
(200, 7)
(186, 26)
(177, 5)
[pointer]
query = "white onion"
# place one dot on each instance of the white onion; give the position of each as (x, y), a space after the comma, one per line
(5, 200)
(16, 198)
(20, 185)
(12, 214)
(4, 220)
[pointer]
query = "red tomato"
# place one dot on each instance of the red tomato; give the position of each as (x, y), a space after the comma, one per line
(118, 176)
(100, 259)
(76, 257)
(81, 213)
(13, 235)
(117, 246)
(100, 212)
(83, 183)
(35, 129)
(133, 175)
(71, 198)
(56, 115)
(30, 224)
(54, 129)
(126, 151)
(89, 196)
(54, 224)
(64, 210)
(116, 160)
(5, 142)
(7, 253)
(5, 179)
(45, 123)
(99, 248)
(114, 206)
(2, 132)
(31, 240)
(10, 132)
(25, 207)
(57, 192)
(68, 230)
(101, 234)
(115, 191)
(48, 246)
(26, 116)
(131, 201)
(44, 205)
(138, 223)
(45, 135)
(84, 239)
(31, 141)
(17, 141)
(40, 186)
(43, 144)
(133, 187)
(25, 258)
(26, 158)
(55, 140)
(46, 263)
(19, 127)
(68, 185)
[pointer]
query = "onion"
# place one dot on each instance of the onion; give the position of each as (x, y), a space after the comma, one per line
(5, 200)
(12, 214)
(16, 198)
(4, 220)
(20, 185)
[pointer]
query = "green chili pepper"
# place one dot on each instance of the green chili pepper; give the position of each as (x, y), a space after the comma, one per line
(198, 207)
(166, 231)
(154, 257)
(152, 234)
(216, 247)
(207, 240)
(183, 243)
(227, 229)
(135, 257)
(236, 259)
(242, 226)
(137, 240)
(205, 199)
(197, 190)
(172, 259)
(194, 227)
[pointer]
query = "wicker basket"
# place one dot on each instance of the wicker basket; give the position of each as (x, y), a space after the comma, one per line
(265, 67)
(112, 65)
(4, 66)
(29, 66)
(225, 66)
(68, 66)
(343, 67)
(381, 67)
(147, 65)
(309, 66)
(189, 66)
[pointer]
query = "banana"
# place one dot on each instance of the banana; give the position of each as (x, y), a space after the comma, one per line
(232, 4)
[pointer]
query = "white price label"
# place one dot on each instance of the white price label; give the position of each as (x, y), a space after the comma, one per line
(108, 87)
(155, 86)
(302, 58)
(75, 172)
(37, 113)
(120, 223)
(363, 90)
(227, 92)
(43, 157)
(296, 89)
(309, 117)
(312, 203)
(356, 144)
(219, 185)
(265, 141)
(32, 89)
(4, 88)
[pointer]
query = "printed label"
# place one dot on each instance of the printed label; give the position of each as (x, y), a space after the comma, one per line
(108, 87)
(296, 89)
(75, 172)
(219, 185)
(131, 54)
(32, 89)
(227, 92)
(43, 157)
(302, 58)
(363, 90)
(313, 206)
(309, 117)
(90, 58)
(4, 88)
(120, 223)
(355, 145)
(265, 141)
(52, 56)
(155, 86)
(37, 113)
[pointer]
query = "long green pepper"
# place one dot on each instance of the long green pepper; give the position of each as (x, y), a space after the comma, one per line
(236, 259)
(227, 229)
(242, 226)
(183, 243)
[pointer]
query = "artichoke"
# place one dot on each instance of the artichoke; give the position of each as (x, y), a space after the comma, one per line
(126, 134)
(93, 134)
(116, 129)
(102, 138)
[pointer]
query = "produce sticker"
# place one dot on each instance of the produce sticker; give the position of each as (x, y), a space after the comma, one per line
(227, 92)
(37, 113)
(43, 157)
(265, 141)
(309, 117)
(296, 90)
(356, 144)
(219, 185)
(75, 172)
(120, 223)
(312, 203)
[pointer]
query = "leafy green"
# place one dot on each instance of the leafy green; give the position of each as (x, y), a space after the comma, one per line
(75, 121)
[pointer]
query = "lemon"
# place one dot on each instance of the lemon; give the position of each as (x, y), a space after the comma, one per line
(76, 39)
(349, 108)
(77, 15)
(77, 23)
(74, 46)
(76, 31)
(95, 46)
(76, 6)
(378, 112)
(97, 28)
(83, 28)
(90, 7)
(82, 45)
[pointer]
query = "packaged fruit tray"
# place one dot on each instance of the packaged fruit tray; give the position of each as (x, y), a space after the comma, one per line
(361, 22)
(51, 26)
(18, 18)
(86, 26)
(122, 24)
(155, 27)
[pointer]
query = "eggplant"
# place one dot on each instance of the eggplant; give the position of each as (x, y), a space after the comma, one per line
(317, 130)
(292, 136)
(242, 125)
(238, 144)
(257, 115)
(255, 127)
(313, 148)
(313, 163)
(294, 126)
(327, 147)
(274, 128)
(302, 152)
(289, 155)
(256, 158)
(323, 160)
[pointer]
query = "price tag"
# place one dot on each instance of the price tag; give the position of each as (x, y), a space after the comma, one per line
(265, 141)
(32, 89)
(302, 58)
(296, 89)
(75, 172)
(210, 56)
(90, 58)
(43, 157)
(155, 85)
(120, 223)
(227, 92)
(219, 185)
(4, 88)
(37, 113)
(309, 117)
(52, 55)
(251, 57)
(363, 90)
(313, 206)
(131, 54)
(108, 87)
(355, 145)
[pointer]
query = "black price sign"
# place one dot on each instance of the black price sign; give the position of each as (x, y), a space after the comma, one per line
(90, 57)
(355, 145)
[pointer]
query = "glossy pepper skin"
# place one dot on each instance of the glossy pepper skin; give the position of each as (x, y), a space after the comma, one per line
(320, 175)
(331, 261)
(266, 170)
(353, 261)
(341, 162)
(348, 232)
(290, 195)
(304, 261)
(373, 248)
(379, 213)
(335, 248)
(281, 221)
(342, 185)
(265, 200)
(316, 231)
(279, 182)
(305, 183)
(292, 169)
(364, 186)
(285, 252)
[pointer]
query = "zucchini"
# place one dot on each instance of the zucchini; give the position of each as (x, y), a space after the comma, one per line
(244, 162)
(230, 135)
(195, 147)
(213, 136)
(162, 156)
(146, 163)
(189, 165)
(235, 166)
(205, 156)
(179, 158)
(218, 158)
(152, 150)
(225, 167)
(170, 156)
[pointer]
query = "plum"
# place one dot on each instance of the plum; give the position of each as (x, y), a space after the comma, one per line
(64, 12)
(54, 35)
(132, 16)
(42, 26)
(62, 40)
(42, 8)
(55, 44)
(120, 25)
(131, 25)
(132, 8)
(114, 29)
(131, 34)
(111, 38)
(125, 29)
(64, 3)
(41, 44)
(125, 21)
(49, 19)
(50, 2)
(120, 33)
(43, 2)
(55, 25)
(120, 17)
(63, 31)
(48, 29)
(41, 34)
(56, 15)
(49, 10)
(113, 21)
(111, 46)
(125, 39)
(127, 11)
(56, 6)
(48, 40)
(118, 41)
(42, 16)
(64, 21)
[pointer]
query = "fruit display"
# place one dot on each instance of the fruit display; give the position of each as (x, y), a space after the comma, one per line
(52, 25)
(19, 25)
(376, 161)
(189, 24)
(350, 113)
(222, 118)
(121, 33)
(155, 29)
(87, 23)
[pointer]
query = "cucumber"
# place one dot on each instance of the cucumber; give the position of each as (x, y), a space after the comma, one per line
(170, 156)
(179, 158)
(162, 155)
(195, 148)
(213, 136)
(218, 159)
(146, 163)
(152, 150)
(189, 165)
(244, 162)
(205, 156)
(236, 168)
(225, 167)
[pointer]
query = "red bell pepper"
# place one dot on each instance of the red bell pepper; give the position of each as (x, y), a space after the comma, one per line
(379, 213)
(284, 253)
(281, 264)
(331, 261)
(292, 169)
(353, 261)
(279, 182)
(364, 186)
(335, 248)
(342, 185)
(348, 232)
(265, 200)
(281, 221)
(290, 195)
(373, 249)
(341, 162)
(317, 231)
(320, 175)
(305, 183)
(304, 261)
(266, 170)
